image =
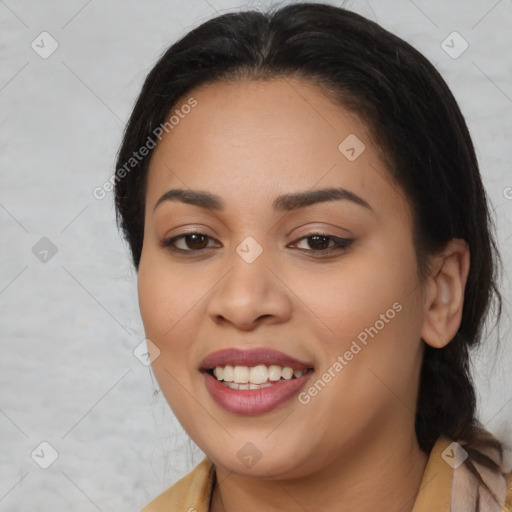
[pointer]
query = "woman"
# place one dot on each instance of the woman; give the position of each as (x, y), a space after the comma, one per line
(315, 259)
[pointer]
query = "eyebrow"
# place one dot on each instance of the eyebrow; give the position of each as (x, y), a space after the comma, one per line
(285, 202)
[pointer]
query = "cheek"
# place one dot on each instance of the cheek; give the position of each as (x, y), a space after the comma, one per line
(368, 312)
(346, 299)
(165, 308)
(164, 296)
(166, 301)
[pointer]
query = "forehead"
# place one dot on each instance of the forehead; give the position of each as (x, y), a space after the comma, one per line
(248, 140)
(246, 113)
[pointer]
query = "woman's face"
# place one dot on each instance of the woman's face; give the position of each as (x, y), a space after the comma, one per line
(302, 263)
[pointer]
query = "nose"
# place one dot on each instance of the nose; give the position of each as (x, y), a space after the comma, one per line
(249, 295)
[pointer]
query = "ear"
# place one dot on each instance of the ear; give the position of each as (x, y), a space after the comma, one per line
(444, 297)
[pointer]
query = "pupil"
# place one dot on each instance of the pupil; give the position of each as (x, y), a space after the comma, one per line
(196, 241)
(319, 242)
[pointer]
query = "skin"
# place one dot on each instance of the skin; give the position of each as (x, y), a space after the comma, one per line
(353, 446)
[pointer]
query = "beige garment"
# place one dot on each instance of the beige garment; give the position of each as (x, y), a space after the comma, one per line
(446, 486)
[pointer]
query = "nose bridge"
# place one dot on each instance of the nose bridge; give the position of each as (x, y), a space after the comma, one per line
(249, 250)
(249, 290)
(248, 278)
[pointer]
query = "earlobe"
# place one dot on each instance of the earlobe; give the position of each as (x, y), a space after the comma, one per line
(445, 300)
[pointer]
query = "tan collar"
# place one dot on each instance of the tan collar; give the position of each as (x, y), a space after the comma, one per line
(192, 493)
(436, 484)
(448, 485)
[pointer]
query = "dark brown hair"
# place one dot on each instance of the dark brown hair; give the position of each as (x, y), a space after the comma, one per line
(416, 123)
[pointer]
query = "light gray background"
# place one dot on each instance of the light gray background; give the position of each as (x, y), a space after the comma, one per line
(68, 326)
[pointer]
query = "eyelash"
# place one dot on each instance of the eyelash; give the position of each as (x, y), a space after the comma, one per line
(341, 244)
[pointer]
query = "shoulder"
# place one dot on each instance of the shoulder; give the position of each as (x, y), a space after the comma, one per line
(467, 490)
(449, 485)
(191, 493)
(508, 493)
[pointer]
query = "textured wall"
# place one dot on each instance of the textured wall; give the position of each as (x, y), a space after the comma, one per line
(68, 309)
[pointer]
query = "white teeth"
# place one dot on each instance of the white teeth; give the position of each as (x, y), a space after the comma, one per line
(228, 373)
(287, 373)
(241, 374)
(258, 374)
(274, 372)
(254, 377)
(234, 385)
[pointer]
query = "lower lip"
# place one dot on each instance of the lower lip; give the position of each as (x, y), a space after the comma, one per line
(254, 401)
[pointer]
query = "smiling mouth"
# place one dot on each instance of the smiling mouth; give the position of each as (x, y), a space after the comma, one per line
(255, 377)
(253, 381)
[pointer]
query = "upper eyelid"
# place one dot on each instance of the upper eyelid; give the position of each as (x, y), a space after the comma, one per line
(169, 241)
(307, 235)
(172, 239)
(313, 230)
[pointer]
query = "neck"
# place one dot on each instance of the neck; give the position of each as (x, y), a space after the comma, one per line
(383, 474)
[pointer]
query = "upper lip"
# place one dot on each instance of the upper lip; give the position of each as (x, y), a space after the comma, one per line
(251, 357)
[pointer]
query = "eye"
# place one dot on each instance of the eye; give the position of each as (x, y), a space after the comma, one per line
(322, 243)
(319, 243)
(188, 242)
